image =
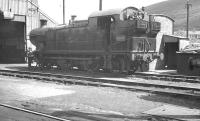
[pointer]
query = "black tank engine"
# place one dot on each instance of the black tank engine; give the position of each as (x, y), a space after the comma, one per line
(123, 39)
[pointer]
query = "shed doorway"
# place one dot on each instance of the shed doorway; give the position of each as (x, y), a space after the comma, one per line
(170, 50)
(12, 42)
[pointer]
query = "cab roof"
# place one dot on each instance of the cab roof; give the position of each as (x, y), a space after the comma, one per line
(110, 12)
(105, 13)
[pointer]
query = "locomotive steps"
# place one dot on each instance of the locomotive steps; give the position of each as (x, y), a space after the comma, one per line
(168, 87)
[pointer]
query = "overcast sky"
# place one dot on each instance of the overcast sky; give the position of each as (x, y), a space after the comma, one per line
(83, 8)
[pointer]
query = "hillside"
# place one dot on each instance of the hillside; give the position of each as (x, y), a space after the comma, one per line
(176, 10)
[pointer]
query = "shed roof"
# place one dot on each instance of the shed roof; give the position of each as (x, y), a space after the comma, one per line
(180, 37)
(164, 16)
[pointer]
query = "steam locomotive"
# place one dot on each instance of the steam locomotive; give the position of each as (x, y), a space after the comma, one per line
(120, 39)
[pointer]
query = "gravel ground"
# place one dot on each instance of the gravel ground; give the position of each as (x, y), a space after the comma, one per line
(75, 102)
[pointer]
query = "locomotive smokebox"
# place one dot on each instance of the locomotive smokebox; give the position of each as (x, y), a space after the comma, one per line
(38, 36)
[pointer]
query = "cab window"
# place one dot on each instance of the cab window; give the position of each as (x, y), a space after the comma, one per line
(131, 13)
(105, 21)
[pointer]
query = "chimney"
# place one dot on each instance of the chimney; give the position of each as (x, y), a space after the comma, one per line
(72, 19)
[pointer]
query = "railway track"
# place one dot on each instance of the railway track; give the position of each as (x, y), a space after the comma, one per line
(90, 81)
(8, 112)
(169, 77)
(20, 114)
(132, 85)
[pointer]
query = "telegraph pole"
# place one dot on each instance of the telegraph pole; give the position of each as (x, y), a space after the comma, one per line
(100, 5)
(63, 11)
(188, 5)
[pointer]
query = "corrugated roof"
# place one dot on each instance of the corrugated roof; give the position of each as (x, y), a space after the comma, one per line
(162, 15)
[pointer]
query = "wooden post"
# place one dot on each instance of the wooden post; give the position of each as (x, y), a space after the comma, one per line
(63, 11)
(188, 15)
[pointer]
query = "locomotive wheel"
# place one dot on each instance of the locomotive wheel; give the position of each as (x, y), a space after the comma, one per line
(94, 66)
(49, 66)
(120, 64)
(190, 64)
(41, 66)
(139, 66)
(134, 67)
(86, 66)
(116, 64)
(144, 66)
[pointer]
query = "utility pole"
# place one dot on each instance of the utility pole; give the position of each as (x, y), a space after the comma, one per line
(188, 5)
(100, 5)
(63, 11)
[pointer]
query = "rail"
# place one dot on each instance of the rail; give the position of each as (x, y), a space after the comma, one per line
(169, 77)
(32, 112)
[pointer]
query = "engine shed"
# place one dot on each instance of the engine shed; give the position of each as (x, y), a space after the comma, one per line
(167, 44)
(17, 19)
